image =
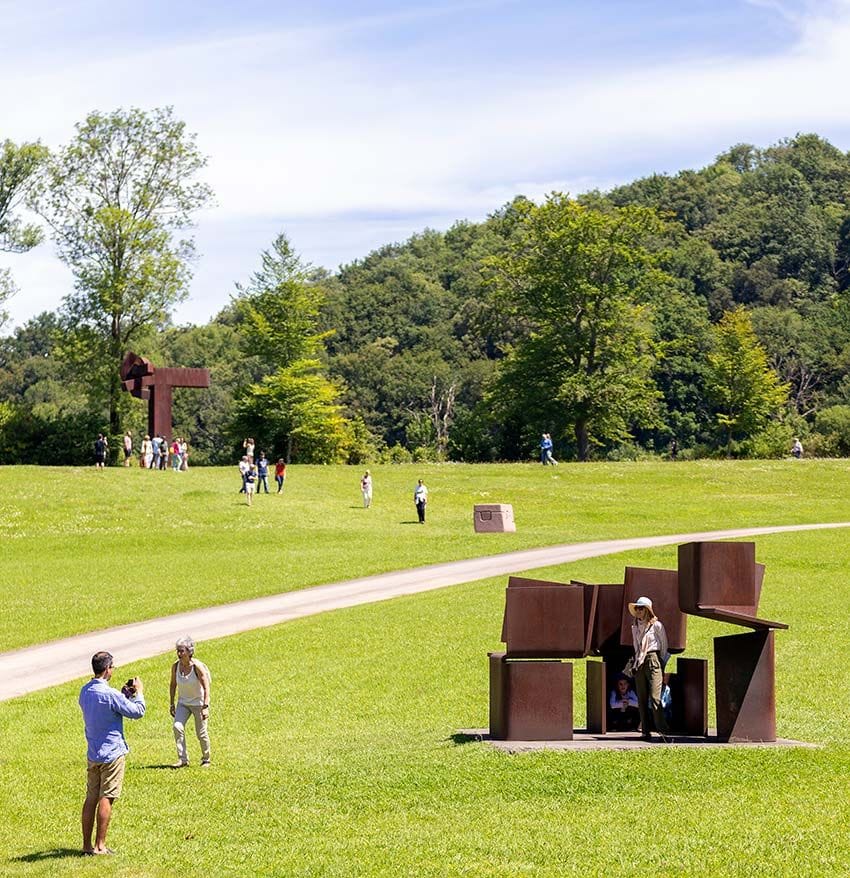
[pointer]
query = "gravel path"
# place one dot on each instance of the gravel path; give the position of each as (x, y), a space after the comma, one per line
(39, 667)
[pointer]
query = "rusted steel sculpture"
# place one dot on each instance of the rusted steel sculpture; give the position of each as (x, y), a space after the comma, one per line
(722, 581)
(547, 622)
(143, 380)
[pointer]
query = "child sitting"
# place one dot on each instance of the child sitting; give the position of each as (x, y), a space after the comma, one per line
(623, 714)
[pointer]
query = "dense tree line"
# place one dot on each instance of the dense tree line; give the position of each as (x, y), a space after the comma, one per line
(709, 308)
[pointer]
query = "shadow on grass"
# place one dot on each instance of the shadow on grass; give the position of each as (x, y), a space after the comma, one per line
(52, 854)
(164, 766)
(460, 738)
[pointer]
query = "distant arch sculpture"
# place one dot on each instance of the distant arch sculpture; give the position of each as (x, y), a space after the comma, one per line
(143, 380)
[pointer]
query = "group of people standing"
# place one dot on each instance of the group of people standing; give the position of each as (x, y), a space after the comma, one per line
(154, 452)
(255, 474)
(104, 709)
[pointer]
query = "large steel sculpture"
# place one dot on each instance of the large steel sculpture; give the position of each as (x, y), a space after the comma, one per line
(143, 380)
(531, 684)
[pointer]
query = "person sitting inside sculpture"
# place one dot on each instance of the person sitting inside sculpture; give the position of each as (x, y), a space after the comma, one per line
(666, 699)
(623, 713)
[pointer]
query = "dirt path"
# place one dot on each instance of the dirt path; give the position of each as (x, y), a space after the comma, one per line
(39, 667)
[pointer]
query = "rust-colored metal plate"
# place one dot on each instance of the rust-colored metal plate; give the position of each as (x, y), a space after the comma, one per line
(691, 693)
(662, 588)
(547, 619)
(533, 701)
(745, 686)
(722, 581)
(597, 698)
(608, 618)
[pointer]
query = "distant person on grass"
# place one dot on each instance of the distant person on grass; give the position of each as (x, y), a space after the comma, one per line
(146, 454)
(797, 449)
(190, 682)
(263, 472)
(104, 709)
(546, 451)
(128, 447)
(244, 466)
(366, 489)
(101, 447)
(420, 498)
(280, 474)
(250, 483)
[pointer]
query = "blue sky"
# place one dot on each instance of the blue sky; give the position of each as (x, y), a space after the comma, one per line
(349, 126)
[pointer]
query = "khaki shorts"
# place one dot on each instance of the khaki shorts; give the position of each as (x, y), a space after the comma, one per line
(104, 779)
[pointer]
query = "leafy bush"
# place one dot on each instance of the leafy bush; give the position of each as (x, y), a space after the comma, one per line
(834, 424)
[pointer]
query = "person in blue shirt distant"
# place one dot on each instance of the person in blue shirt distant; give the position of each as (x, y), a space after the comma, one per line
(104, 709)
(262, 472)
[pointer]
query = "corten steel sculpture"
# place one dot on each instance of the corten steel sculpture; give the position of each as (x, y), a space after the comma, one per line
(493, 518)
(531, 688)
(722, 581)
(547, 622)
(143, 380)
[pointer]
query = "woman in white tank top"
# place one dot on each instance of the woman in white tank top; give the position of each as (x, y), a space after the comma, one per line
(190, 682)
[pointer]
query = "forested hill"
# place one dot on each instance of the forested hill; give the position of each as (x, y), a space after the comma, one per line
(768, 230)
(710, 307)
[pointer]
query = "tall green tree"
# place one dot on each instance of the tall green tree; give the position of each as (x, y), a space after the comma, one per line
(120, 198)
(291, 406)
(581, 278)
(746, 391)
(18, 167)
(278, 311)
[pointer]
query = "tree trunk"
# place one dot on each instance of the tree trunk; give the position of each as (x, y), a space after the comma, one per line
(582, 443)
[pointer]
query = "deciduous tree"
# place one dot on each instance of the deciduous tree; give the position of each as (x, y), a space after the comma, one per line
(120, 198)
(746, 391)
(581, 278)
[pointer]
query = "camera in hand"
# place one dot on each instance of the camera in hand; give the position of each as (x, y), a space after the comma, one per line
(128, 690)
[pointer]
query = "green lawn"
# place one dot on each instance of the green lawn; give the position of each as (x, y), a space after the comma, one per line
(82, 549)
(333, 735)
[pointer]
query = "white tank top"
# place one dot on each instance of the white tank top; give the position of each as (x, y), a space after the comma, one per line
(189, 689)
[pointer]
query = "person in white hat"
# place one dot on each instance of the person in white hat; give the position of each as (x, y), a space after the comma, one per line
(651, 655)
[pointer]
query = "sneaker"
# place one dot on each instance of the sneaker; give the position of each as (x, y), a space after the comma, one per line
(180, 765)
(205, 763)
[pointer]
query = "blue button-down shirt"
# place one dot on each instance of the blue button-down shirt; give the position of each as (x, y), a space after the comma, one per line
(104, 709)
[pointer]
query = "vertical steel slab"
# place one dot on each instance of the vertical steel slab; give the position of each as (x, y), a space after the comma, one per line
(745, 686)
(597, 698)
(530, 700)
(692, 689)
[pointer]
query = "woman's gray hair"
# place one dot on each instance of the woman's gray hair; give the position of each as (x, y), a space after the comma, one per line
(188, 643)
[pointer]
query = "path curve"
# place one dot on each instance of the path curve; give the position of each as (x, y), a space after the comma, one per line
(60, 661)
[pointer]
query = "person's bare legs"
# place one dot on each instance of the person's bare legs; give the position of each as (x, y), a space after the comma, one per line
(101, 810)
(89, 809)
(104, 814)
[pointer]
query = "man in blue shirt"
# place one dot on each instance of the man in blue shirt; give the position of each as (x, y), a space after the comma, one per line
(104, 709)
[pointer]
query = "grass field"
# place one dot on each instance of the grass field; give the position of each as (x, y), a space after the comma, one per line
(333, 735)
(82, 549)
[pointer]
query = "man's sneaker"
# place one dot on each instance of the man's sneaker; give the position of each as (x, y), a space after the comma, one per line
(180, 765)
(205, 763)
